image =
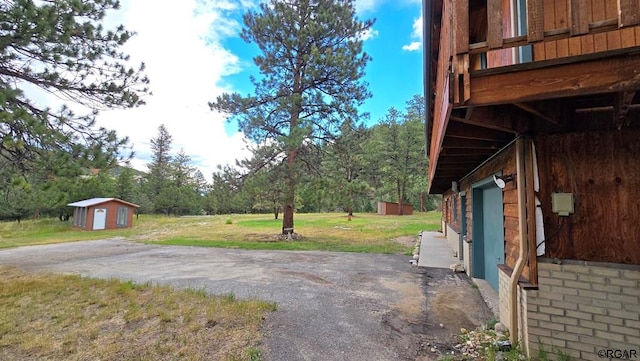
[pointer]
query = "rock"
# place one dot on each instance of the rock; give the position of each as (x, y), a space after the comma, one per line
(499, 327)
(457, 267)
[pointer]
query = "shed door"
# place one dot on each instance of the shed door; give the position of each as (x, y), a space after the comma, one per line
(99, 218)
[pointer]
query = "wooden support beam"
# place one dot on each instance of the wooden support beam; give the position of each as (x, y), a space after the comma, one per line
(628, 13)
(579, 10)
(494, 17)
(461, 26)
(623, 102)
(470, 144)
(461, 152)
(491, 123)
(606, 108)
(537, 113)
(466, 131)
(535, 20)
(611, 74)
(466, 83)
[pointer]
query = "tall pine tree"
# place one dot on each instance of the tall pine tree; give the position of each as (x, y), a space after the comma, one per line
(311, 66)
(158, 177)
(61, 47)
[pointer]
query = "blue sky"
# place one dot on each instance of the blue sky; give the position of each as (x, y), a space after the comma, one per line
(193, 54)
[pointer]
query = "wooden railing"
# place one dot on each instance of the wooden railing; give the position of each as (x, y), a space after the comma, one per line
(555, 29)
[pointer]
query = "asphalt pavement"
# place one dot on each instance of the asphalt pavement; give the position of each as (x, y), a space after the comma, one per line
(331, 306)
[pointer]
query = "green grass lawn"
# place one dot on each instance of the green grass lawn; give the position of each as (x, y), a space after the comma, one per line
(318, 231)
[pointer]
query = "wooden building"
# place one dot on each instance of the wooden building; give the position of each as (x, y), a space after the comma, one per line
(533, 129)
(391, 208)
(102, 213)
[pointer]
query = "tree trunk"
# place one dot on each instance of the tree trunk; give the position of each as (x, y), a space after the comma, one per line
(287, 218)
(350, 208)
(400, 197)
(276, 212)
(423, 202)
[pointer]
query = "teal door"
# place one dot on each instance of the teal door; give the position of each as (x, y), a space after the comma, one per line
(488, 232)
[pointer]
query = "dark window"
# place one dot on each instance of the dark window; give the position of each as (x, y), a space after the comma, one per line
(122, 217)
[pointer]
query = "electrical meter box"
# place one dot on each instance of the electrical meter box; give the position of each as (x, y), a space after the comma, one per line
(562, 203)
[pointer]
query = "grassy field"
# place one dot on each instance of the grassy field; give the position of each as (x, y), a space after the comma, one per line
(326, 231)
(57, 317)
(53, 317)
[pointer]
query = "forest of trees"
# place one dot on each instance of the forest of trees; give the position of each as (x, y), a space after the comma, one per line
(311, 151)
(350, 173)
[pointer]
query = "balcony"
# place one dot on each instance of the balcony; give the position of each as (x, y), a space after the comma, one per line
(506, 67)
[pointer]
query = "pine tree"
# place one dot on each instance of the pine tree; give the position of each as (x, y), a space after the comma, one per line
(344, 163)
(61, 47)
(311, 67)
(158, 177)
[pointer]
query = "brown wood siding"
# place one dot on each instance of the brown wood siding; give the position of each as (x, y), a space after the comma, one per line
(451, 219)
(602, 170)
(442, 104)
(112, 213)
(505, 163)
(557, 16)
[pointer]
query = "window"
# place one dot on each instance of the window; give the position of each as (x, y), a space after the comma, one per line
(523, 53)
(455, 209)
(80, 217)
(122, 217)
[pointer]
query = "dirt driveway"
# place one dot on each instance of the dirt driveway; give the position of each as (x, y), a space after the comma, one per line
(331, 306)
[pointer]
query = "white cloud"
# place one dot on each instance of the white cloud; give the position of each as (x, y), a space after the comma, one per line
(179, 41)
(413, 46)
(416, 36)
(363, 6)
(368, 34)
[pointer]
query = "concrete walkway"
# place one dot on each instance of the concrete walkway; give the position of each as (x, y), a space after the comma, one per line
(435, 252)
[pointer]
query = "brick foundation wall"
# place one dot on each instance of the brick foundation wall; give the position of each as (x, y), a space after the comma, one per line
(468, 263)
(503, 293)
(581, 309)
(453, 239)
(504, 280)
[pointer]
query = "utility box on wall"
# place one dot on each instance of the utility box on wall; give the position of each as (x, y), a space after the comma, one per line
(562, 203)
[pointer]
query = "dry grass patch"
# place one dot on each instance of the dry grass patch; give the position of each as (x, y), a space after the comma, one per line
(54, 317)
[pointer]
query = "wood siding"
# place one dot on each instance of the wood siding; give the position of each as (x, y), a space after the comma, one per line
(602, 170)
(505, 162)
(112, 215)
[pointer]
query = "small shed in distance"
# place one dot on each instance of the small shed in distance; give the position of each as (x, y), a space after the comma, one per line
(390, 208)
(102, 213)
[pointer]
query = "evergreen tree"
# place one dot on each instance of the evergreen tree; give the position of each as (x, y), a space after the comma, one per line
(311, 66)
(397, 145)
(344, 163)
(61, 47)
(183, 190)
(126, 184)
(158, 177)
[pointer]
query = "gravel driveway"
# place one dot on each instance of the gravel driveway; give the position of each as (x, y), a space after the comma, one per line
(331, 306)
